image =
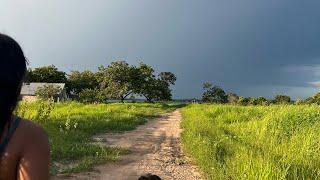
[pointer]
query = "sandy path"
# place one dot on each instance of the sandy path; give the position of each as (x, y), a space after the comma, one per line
(155, 149)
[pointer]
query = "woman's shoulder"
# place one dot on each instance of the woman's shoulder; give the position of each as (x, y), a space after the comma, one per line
(31, 128)
(32, 134)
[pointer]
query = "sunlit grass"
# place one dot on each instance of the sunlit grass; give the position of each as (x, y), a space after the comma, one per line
(70, 127)
(255, 142)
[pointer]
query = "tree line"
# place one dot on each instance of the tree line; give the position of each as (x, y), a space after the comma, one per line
(118, 81)
(215, 94)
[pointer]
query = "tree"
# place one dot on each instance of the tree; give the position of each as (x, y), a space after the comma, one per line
(168, 77)
(78, 81)
(48, 91)
(282, 99)
(262, 101)
(91, 96)
(151, 87)
(314, 99)
(47, 74)
(251, 101)
(207, 85)
(299, 102)
(232, 98)
(243, 101)
(117, 80)
(213, 94)
(29, 76)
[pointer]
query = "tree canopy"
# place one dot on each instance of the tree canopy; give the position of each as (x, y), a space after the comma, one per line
(119, 80)
(79, 81)
(48, 74)
(213, 94)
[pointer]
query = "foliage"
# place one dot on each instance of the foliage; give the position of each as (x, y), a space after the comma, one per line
(70, 127)
(46, 74)
(253, 142)
(314, 99)
(117, 80)
(298, 102)
(233, 98)
(168, 77)
(282, 99)
(251, 101)
(151, 87)
(78, 81)
(213, 94)
(243, 101)
(48, 91)
(262, 101)
(91, 96)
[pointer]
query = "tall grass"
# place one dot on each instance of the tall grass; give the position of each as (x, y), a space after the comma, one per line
(70, 127)
(255, 142)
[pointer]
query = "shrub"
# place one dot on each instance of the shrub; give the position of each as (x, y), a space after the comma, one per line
(243, 101)
(232, 98)
(48, 91)
(213, 94)
(282, 99)
(261, 101)
(314, 99)
(90, 96)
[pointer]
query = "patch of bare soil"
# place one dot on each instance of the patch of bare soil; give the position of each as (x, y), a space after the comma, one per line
(155, 148)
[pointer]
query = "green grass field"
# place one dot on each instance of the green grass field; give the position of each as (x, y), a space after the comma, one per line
(70, 127)
(254, 142)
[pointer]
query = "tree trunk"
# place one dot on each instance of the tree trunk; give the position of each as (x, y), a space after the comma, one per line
(149, 100)
(122, 99)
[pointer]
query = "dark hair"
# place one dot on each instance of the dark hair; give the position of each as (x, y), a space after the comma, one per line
(149, 177)
(13, 69)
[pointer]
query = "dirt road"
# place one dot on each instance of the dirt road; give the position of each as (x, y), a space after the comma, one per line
(155, 149)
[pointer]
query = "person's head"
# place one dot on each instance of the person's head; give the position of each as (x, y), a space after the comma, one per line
(149, 177)
(13, 69)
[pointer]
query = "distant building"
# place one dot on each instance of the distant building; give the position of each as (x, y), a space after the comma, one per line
(28, 91)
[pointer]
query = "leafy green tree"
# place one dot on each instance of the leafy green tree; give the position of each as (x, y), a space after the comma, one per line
(29, 76)
(207, 85)
(298, 102)
(117, 80)
(243, 101)
(262, 101)
(151, 87)
(233, 98)
(46, 74)
(168, 77)
(78, 81)
(91, 96)
(282, 99)
(213, 94)
(48, 91)
(251, 101)
(144, 79)
(314, 99)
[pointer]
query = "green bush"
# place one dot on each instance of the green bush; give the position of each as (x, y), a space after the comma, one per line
(91, 96)
(282, 99)
(314, 99)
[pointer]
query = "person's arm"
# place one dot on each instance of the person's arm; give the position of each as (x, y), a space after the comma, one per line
(35, 159)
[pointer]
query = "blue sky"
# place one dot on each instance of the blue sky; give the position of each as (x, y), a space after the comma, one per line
(252, 48)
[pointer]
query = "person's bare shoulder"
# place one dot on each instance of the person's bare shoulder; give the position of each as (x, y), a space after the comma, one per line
(35, 154)
(32, 135)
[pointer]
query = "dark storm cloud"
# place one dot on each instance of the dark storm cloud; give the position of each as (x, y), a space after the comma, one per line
(249, 47)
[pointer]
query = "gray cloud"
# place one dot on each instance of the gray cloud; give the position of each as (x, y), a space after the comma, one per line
(249, 47)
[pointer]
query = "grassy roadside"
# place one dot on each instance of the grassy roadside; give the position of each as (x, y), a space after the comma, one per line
(70, 127)
(258, 142)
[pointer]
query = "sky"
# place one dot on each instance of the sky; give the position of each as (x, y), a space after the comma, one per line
(249, 47)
